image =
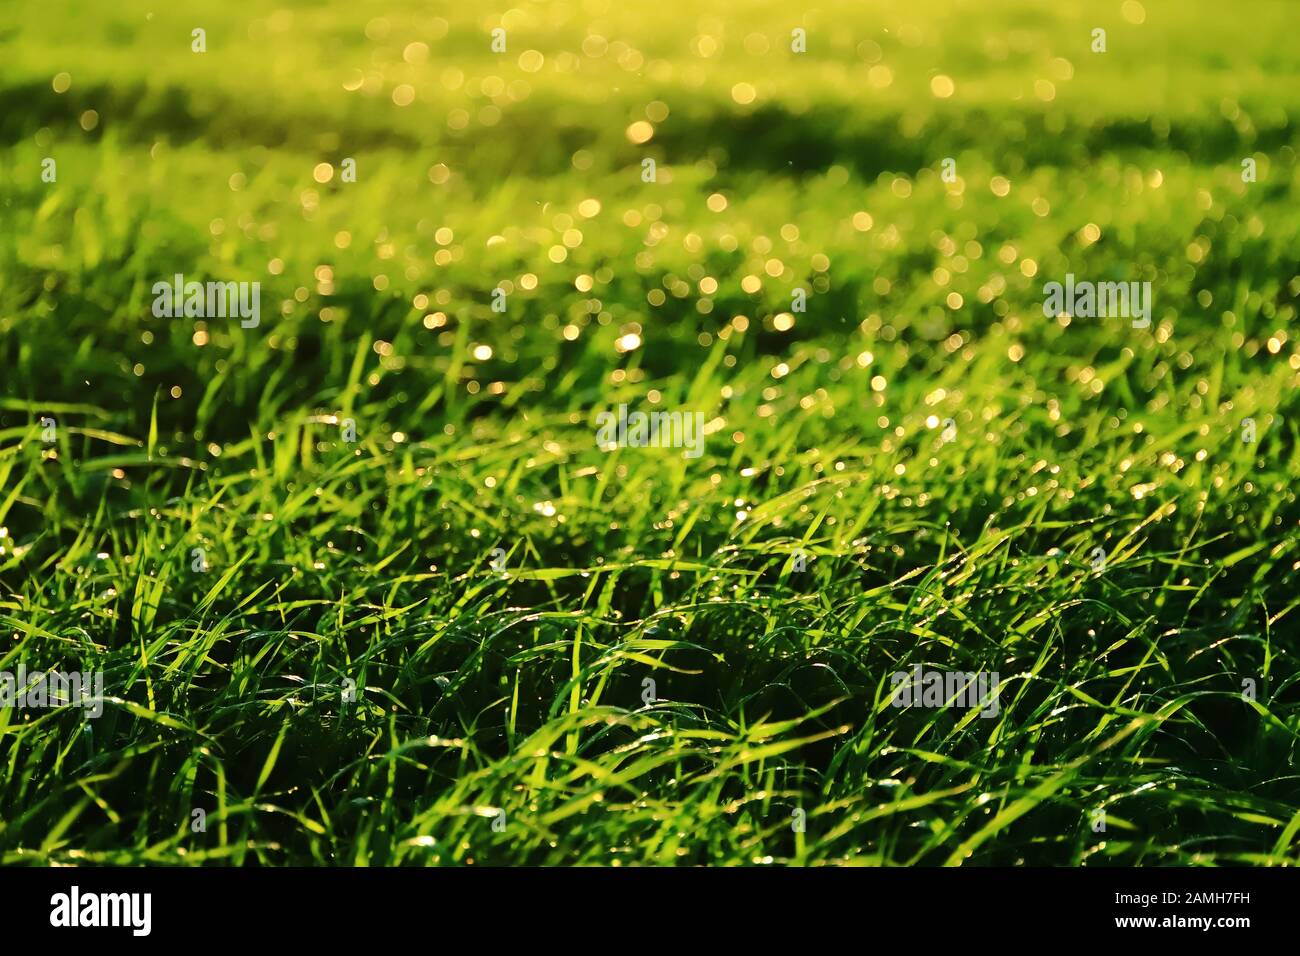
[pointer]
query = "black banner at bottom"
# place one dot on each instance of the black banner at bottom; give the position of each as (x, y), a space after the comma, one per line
(342, 906)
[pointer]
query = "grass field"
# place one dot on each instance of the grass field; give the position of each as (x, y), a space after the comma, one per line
(472, 635)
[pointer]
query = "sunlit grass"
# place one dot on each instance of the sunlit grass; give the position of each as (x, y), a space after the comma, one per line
(353, 682)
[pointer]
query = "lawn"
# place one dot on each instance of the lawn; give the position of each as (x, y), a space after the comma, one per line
(365, 588)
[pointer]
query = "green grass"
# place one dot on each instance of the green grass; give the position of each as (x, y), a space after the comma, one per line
(524, 690)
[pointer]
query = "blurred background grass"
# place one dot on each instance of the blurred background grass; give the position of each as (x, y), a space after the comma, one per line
(203, 162)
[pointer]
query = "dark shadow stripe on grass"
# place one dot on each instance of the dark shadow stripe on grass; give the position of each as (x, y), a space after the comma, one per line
(541, 137)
